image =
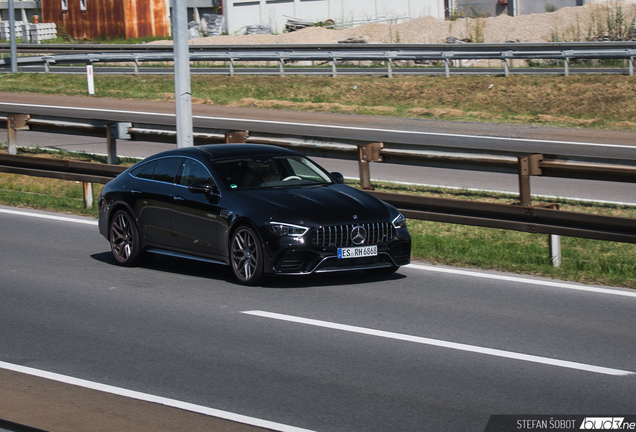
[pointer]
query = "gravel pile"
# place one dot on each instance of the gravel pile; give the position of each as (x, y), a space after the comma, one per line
(566, 24)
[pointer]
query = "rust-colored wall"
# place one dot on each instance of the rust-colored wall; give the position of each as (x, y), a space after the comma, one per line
(109, 18)
(146, 18)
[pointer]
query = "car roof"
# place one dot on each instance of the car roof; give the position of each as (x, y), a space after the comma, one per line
(225, 151)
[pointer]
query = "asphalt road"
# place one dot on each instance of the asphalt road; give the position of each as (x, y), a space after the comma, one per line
(430, 348)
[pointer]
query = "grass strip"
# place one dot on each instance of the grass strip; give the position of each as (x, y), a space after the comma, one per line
(584, 101)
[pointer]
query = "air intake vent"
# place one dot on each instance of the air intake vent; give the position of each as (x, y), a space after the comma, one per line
(341, 235)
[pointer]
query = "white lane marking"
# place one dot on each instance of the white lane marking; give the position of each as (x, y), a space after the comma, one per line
(46, 216)
(444, 344)
(625, 293)
(352, 128)
(152, 398)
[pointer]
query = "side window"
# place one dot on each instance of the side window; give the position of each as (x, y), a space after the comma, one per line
(144, 171)
(302, 170)
(192, 171)
(166, 169)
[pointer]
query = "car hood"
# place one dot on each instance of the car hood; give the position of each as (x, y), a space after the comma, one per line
(323, 205)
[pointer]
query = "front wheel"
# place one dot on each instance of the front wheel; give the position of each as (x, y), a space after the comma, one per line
(246, 255)
(124, 239)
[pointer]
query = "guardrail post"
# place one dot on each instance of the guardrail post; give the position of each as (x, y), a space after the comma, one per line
(447, 67)
(15, 123)
(236, 137)
(88, 195)
(528, 166)
(136, 65)
(508, 55)
(46, 66)
(231, 64)
(334, 69)
(111, 145)
(281, 67)
(368, 153)
(389, 68)
(631, 66)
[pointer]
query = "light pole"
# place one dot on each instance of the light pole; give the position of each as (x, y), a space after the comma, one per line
(13, 47)
(182, 90)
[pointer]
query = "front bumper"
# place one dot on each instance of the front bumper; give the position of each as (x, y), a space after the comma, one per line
(301, 261)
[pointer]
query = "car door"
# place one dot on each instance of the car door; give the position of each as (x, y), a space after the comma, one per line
(195, 216)
(151, 190)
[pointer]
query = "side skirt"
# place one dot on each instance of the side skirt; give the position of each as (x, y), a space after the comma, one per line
(183, 255)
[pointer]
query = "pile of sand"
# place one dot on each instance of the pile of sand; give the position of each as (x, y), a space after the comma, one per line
(567, 24)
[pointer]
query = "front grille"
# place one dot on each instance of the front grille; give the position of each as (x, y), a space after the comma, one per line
(340, 235)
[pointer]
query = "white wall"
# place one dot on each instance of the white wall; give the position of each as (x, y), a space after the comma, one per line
(240, 13)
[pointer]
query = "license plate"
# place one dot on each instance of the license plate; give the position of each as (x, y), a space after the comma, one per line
(357, 252)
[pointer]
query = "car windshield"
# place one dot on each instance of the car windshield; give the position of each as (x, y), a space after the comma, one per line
(270, 172)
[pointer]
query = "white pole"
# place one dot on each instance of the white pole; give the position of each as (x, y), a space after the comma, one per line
(90, 79)
(555, 250)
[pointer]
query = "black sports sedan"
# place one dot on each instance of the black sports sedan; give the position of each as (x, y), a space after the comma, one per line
(261, 210)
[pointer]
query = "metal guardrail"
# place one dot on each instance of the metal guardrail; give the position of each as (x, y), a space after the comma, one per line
(524, 165)
(526, 218)
(333, 53)
(523, 217)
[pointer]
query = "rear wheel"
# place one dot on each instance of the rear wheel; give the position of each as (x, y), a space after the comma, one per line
(124, 239)
(246, 255)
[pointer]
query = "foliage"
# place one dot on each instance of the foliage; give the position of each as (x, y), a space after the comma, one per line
(549, 7)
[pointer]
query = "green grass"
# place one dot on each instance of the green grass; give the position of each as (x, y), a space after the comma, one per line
(584, 101)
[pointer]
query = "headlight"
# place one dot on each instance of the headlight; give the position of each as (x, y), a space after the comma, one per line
(399, 221)
(285, 229)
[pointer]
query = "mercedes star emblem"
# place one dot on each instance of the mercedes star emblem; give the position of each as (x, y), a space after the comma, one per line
(358, 235)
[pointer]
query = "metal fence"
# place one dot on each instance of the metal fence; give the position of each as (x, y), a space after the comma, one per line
(334, 54)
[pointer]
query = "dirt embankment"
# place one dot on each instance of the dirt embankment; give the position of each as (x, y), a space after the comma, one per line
(567, 24)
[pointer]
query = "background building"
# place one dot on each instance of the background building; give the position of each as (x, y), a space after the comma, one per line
(89, 19)
(242, 13)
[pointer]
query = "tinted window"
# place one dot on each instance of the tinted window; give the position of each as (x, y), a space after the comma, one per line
(193, 171)
(144, 171)
(166, 169)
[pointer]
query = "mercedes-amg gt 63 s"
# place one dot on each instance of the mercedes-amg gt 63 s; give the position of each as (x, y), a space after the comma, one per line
(261, 210)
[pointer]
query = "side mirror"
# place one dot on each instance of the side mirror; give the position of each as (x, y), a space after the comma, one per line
(203, 187)
(338, 177)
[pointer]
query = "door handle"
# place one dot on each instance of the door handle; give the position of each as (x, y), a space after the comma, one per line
(135, 192)
(179, 198)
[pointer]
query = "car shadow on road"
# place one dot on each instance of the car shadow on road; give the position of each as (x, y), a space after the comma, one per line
(207, 270)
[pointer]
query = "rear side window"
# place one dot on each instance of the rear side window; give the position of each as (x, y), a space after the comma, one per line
(162, 170)
(192, 172)
(145, 171)
(166, 170)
